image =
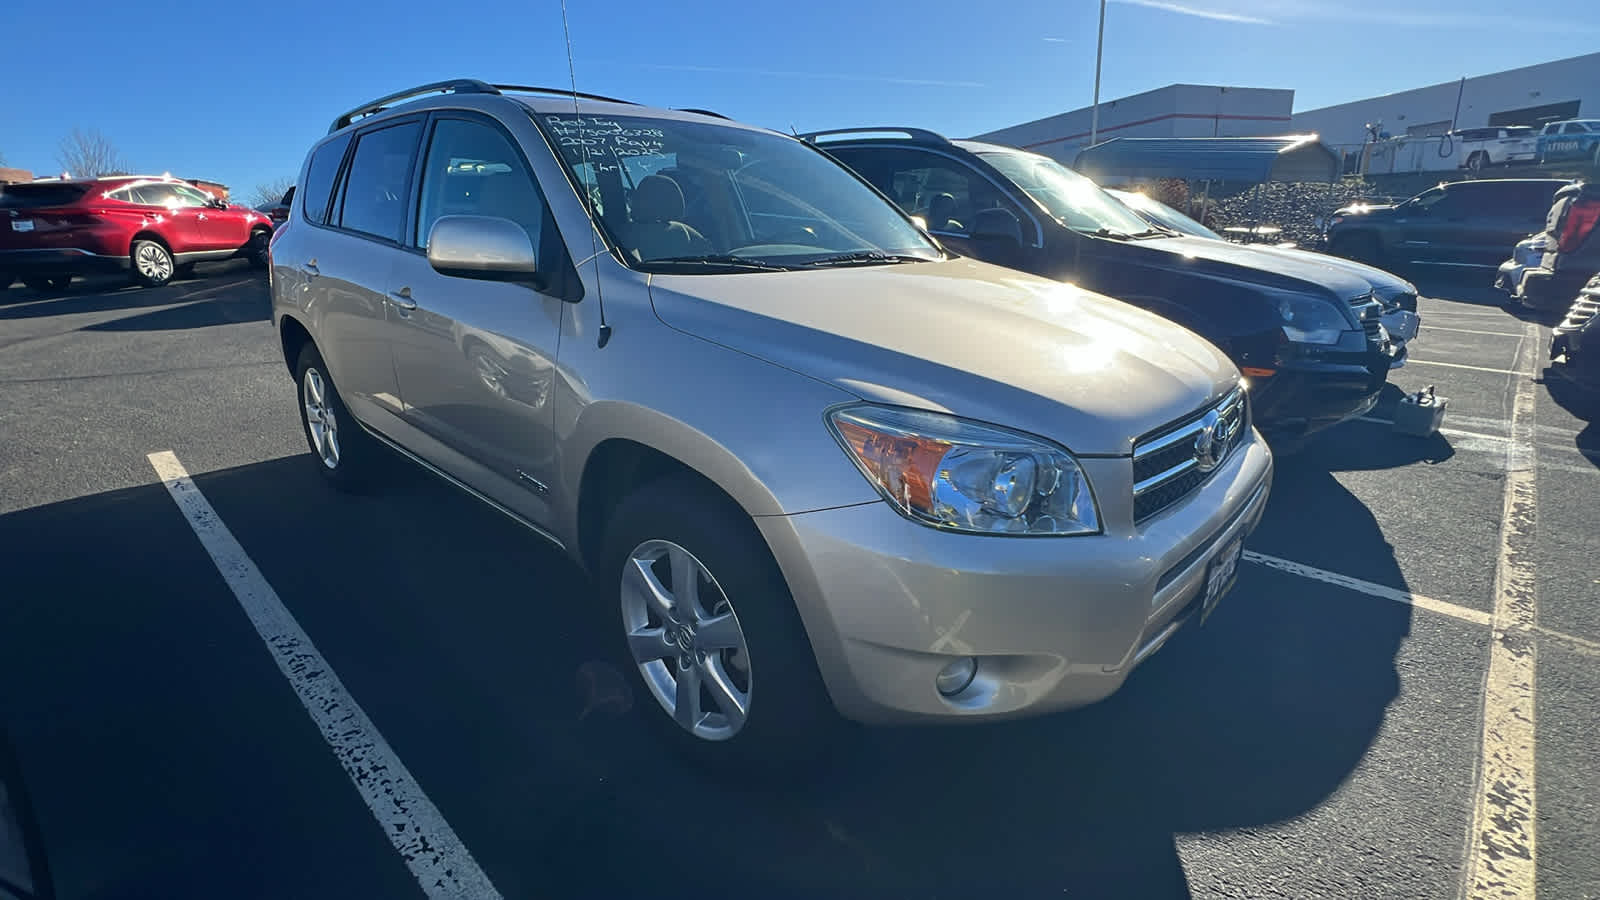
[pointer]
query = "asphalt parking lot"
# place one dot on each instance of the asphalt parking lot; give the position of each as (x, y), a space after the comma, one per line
(1397, 700)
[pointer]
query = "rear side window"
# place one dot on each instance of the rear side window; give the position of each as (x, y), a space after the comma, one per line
(376, 187)
(319, 178)
(30, 196)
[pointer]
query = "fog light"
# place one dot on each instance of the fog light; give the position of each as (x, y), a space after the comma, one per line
(954, 678)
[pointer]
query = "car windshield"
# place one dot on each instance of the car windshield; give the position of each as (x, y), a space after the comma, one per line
(701, 198)
(1163, 215)
(1072, 199)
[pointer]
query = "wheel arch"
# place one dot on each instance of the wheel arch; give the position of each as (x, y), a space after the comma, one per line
(293, 336)
(617, 467)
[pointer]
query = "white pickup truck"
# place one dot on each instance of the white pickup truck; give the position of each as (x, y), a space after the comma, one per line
(1496, 145)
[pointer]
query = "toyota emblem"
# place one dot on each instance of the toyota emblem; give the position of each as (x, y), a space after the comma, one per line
(1208, 444)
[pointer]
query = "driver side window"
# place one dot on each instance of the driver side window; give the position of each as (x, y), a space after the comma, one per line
(472, 169)
(188, 196)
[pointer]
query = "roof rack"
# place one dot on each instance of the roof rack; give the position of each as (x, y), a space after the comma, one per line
(916, 134)
(564, 92)
(460, 86)
(454, 86)
(701, 112)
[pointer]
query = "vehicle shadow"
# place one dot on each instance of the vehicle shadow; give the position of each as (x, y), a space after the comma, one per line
(526, 730)
(104, 294)
(1578, 392)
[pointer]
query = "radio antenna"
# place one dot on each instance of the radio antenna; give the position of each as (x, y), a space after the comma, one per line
(588, 200)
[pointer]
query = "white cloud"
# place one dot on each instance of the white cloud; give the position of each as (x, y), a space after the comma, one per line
(1198, 12)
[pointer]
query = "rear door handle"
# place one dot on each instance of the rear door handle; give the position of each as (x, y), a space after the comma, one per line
(402, 299)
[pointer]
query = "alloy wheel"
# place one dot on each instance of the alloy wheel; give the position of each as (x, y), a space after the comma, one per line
(320, 420)
(686, 639)
(154, 262)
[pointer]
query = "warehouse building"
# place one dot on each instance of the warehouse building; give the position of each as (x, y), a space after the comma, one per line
(1178, 110)
(1531, 95)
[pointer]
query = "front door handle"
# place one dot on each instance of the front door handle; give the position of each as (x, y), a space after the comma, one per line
(402, 299)
(201, 217)
(310, 267)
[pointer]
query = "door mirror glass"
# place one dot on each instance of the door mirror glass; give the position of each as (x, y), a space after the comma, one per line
(997, 224)
(485, 247)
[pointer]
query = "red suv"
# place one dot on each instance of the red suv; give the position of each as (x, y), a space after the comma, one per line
(155, 227)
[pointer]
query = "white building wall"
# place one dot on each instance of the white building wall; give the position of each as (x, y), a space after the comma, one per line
(1178, 110)
(1413, 111)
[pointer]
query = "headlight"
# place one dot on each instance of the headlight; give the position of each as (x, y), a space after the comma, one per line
(959, 475)
(1308, 319)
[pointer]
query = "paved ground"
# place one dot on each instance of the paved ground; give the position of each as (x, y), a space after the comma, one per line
(1319, 737)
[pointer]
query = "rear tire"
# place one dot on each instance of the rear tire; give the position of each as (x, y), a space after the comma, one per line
(152, 263)
(344, 453)
(788, 718)
(257, 250)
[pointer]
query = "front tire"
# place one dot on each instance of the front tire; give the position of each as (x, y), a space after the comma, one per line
(153, 265)
(710, 628)
(345, 455)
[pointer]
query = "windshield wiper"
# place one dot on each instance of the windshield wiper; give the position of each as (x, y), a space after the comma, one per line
(865, 257)
(718, 261)
(1105, 232)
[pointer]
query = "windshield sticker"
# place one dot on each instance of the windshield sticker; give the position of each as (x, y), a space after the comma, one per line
(606, 136)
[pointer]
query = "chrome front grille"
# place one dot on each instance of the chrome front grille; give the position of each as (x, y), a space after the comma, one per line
(1370, 312)
(1170, 463)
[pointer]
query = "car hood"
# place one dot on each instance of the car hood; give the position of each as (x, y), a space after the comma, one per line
(1386, 283)
(1365, 209)
(966, 338)
(1246, 263)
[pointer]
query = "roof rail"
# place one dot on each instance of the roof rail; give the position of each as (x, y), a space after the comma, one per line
(455, 85)
(916, 134)
(701, 112)
(564, 92)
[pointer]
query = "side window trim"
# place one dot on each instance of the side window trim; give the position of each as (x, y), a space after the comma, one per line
(334, 188)
(336, 210)
(1001, 186)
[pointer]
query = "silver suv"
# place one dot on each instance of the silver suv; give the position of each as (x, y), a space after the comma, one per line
(816, 464)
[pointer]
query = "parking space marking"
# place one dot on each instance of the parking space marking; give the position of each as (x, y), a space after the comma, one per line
(438, 860)
(1501, 857)
(1451, 365)
(1510, 334)
(1371, 589)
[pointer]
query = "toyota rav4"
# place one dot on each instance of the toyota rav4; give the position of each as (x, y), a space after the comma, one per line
(814, 463)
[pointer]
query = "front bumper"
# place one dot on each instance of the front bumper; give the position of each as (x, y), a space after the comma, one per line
(59, 261)
(1537, 287)
(1314, 387)
(1053, 622)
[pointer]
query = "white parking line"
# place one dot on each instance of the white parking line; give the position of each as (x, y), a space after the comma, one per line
(1371, 589)
(1451, 365)
(1501, 858)
(438, 860)
(1511, 334)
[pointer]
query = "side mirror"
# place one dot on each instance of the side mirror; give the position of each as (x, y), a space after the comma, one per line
(484, 247)
(997, 225)
(217, 203)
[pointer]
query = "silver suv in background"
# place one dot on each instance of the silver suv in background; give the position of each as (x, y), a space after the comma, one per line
(815, 464)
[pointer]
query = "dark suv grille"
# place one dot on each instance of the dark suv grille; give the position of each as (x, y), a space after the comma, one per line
(1172, 462)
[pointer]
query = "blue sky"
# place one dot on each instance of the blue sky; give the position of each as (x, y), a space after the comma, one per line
(237, 91)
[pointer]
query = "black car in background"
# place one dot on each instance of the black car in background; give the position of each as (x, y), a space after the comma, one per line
(1458, 224)
(1546, 270)
(1308, 337)
(1397, 295)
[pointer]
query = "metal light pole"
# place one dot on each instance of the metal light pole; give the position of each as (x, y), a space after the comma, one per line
(1099, 48)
